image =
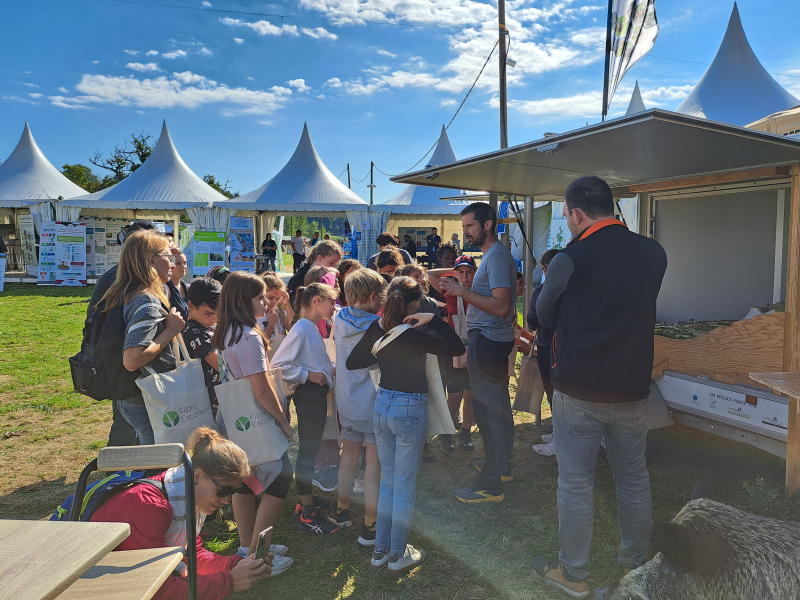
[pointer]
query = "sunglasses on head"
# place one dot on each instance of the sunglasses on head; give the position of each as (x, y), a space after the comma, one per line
(226, 490)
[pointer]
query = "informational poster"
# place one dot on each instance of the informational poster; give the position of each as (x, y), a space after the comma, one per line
(100, 266)
(185, 244)
(2, 271)
(559, 234)
(208, 248)
(113, 248)
(62, 253)
(27, 234)
(241, 239)
(90, 262)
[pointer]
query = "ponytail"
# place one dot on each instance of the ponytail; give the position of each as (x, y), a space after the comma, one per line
(402, 292)
(218, 457)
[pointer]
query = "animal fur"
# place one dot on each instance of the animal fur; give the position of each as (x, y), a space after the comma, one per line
(711, 551)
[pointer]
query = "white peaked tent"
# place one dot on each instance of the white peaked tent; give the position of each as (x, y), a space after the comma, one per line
(422, 200)
(637, 104)
(736, 88)
(29, 180)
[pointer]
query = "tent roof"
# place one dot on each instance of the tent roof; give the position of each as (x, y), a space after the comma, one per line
(27, 177)
(637, 104)
(304, 184)
(164, 181)
(736, 88)
(421, 200)
(651, 146)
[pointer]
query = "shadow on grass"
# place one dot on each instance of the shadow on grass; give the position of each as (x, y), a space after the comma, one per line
(37, 500)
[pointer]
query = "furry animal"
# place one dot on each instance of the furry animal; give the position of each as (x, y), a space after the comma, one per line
(711, 551)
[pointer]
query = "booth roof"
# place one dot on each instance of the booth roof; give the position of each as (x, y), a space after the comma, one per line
(304, 184)
(164, 181)
(420, 200)
(655, 145)
(736, 88)
(27, 177)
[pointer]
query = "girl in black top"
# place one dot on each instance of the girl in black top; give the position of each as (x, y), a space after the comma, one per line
(400, 417)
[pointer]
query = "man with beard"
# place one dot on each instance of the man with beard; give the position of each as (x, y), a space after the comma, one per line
(491, 337)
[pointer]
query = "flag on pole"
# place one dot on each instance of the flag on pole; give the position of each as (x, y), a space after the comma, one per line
(632, 32)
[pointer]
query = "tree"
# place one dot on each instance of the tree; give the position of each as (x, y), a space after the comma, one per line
(223, 189)
(124, 161)
(82, 176)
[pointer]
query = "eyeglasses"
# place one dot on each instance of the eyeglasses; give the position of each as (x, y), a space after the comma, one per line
(172, 258)
(224, 491)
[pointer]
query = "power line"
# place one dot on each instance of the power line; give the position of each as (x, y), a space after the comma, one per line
(282, 17)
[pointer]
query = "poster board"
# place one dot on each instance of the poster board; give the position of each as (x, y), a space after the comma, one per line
(559, 234)
(241, 241)
(208, 249)
(90, 254)
(62, 253)
(2, 271)
(113, 228)
(27, 234)
(185, 235)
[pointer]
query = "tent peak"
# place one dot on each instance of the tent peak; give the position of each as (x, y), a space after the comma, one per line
(636, 104)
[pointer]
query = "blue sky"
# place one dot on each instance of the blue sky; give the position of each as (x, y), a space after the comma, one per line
(235, 89)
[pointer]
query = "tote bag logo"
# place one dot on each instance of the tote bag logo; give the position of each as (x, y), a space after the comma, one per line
(171, 418)
(242, 423)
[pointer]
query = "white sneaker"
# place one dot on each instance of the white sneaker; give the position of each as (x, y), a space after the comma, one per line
(278, 549)
(411, 559)
(358, 486)
(280, 564)
(379, 559)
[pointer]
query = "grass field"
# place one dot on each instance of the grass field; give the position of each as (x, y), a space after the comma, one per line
(47, 433)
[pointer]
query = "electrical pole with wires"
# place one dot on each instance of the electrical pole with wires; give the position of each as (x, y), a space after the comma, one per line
(501, 17)
(371, 185)
(348, 177)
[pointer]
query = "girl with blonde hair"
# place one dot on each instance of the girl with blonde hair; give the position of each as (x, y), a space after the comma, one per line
(145, 266)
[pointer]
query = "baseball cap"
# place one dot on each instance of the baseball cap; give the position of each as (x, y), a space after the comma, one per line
(465, 260)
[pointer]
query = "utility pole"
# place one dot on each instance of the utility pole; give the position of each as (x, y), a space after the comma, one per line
(607, 62)
(501, 17)
(371, 185)
(348, 176)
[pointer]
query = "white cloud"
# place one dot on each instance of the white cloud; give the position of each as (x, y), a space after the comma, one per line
(206, 3)
(143, 67)
(334, 82)
(184, 90)
(205, 52)
(397, 79)
(151, 53)
(321, 96)
(64, 90)
(262, 27)
(299, 85)
(131, 52)
(94, 62)
(453, 12)
(661, 95)
(238, 40)
(33, 85)
(320, 33)
(174, 54)
(250, 78)
(385, 53)
(34, 94)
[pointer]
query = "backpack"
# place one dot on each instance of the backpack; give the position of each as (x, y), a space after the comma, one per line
(101, 491)
(97, 370)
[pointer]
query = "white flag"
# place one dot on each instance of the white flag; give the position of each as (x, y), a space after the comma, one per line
(633, 33)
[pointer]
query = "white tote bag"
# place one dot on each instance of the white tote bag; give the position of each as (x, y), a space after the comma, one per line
(460, 327)
(177, 402)
(249, 425)
(439, 420)
(530, 389)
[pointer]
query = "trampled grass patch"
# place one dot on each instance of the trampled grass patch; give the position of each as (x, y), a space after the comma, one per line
(48, 433)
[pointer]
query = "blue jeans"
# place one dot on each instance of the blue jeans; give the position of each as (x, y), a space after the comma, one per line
(400, 421)
(270, 261)
(577, 429)
(135, 412)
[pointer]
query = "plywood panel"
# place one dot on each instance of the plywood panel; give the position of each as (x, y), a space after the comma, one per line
(727, 353)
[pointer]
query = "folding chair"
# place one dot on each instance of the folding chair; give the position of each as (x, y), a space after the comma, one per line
(143, 458)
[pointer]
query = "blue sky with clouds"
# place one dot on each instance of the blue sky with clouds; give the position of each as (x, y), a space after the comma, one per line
(374, 79)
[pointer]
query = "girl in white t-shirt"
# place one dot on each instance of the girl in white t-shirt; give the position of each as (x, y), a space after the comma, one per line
(243, 345)
(307, 371)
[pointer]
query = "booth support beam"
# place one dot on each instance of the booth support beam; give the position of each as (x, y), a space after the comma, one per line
(778, 273)
(791, 349)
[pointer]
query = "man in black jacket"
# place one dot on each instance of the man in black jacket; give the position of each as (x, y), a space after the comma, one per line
(600, 295)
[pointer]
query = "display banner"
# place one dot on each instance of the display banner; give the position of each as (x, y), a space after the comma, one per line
(27, 233)
(2, 271)
(113, 228)
(184, 241)
(559, 234)
(90, 234)
(208, 248)
(241, 240)
(62, 253)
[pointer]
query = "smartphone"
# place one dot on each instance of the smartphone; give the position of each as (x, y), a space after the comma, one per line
(264, 542)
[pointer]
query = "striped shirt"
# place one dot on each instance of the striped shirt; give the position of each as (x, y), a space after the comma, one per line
(144, 318)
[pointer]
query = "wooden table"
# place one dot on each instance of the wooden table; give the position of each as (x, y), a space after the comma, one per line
(785, 383)
(40, 559)
(128, 575)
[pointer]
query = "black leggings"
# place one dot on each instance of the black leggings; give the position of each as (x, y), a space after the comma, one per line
(311, 404)
(545, 364)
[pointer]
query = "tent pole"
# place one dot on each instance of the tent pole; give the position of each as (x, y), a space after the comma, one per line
(528, 259)
(791, 341)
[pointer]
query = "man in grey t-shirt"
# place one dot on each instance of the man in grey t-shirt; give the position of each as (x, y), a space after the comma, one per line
(490, 340)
